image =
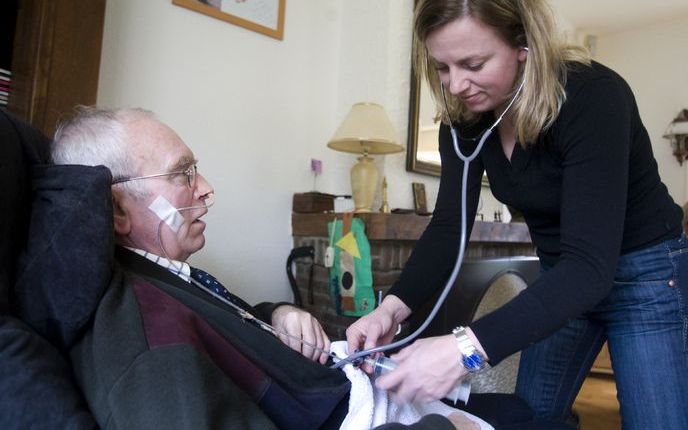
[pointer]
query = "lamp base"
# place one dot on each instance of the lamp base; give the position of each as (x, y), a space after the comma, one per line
(363, 183)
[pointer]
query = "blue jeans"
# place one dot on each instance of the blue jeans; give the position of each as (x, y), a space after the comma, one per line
(645, 321)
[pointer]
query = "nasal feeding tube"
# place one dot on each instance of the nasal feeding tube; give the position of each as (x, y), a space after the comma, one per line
(388, 365)
(171, 216)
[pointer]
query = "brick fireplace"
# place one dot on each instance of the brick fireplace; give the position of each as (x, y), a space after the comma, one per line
(392, 238)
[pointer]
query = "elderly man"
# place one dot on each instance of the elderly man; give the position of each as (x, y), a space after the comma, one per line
(152, 166)
(169, 347)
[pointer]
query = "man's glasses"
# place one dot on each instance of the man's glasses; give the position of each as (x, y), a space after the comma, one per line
(190, 176)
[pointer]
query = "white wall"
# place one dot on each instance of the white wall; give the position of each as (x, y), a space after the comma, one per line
(654, 61)
(256, 110)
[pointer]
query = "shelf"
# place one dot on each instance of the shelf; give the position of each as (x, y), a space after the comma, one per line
(408, 227)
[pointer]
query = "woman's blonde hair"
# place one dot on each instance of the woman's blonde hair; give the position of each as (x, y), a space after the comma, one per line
(520, 23)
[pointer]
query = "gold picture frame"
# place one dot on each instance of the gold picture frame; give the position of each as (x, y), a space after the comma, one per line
(262, 16)
(420, 202)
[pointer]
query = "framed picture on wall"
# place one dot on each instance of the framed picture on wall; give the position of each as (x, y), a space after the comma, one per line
(262, 16)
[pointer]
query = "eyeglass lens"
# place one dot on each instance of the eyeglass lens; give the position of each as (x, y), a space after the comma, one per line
(191, 175)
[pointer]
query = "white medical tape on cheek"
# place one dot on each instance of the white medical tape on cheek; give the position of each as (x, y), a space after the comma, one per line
(167, 213)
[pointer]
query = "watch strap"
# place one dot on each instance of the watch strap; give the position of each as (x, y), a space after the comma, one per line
(471, 358)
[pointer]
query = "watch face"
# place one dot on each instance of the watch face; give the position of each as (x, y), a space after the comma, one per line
(473, 362)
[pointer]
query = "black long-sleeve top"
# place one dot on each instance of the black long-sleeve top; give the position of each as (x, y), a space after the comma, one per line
(589, 190)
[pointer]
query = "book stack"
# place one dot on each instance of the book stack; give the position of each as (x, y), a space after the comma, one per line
(5, 79)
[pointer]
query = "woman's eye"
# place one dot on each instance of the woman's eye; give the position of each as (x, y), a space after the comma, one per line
(474, 67)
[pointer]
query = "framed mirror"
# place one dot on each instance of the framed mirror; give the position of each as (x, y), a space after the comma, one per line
(422, 152)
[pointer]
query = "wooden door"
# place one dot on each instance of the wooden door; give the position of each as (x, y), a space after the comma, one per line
(55, 59)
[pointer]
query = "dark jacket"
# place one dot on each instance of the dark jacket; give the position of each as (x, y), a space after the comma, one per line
(162, 353)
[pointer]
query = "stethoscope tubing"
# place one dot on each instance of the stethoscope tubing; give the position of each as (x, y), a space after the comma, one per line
(467, 159)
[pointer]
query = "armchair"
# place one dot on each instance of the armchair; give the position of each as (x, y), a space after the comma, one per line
(482, 286)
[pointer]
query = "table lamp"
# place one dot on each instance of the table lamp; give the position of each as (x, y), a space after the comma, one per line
(365, 130)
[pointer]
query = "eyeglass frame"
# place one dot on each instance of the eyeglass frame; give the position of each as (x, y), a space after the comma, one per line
(191, 174)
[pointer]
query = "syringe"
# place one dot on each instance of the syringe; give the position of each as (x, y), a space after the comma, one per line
(383, 365)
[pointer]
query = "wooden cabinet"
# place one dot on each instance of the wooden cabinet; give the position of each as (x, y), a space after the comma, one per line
(55, 57)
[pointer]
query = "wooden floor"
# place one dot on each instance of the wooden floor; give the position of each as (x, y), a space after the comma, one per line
(596, 404)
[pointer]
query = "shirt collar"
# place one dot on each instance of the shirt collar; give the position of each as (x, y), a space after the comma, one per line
(179, 268)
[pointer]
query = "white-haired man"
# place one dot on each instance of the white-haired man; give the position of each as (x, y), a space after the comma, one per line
(170, 347)
(151, 165)
(159, 334)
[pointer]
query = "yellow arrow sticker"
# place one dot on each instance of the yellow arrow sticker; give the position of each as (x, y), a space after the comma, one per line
(348, 244)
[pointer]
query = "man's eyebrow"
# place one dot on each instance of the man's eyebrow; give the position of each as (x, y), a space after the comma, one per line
(182, 164)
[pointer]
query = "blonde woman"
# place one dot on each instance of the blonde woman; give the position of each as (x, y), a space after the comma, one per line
(571, 153)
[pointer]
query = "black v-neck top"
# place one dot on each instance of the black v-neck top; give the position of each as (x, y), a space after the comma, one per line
(589, 190)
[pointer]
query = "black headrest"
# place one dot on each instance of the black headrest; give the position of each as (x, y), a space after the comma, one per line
(21, 146)
(36, 384)
(56, 223)
(67, 262)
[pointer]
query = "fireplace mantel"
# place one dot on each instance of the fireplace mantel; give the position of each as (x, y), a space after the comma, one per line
(408, 227)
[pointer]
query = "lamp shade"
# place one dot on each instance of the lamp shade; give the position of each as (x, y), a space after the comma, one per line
(366, 129)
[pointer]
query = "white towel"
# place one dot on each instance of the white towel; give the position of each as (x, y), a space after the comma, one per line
(370, 407)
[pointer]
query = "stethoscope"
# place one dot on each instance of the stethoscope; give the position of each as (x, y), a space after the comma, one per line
(485, 134)
(357, 357)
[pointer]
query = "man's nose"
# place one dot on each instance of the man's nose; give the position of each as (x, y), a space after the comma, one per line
(203, 188)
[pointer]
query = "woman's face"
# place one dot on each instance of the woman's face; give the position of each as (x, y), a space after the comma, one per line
(475, 64)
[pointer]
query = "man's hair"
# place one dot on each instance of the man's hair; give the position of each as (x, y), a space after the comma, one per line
(96, 136)
(520, 23)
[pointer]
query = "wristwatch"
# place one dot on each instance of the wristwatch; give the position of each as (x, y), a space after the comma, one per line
(471, 359)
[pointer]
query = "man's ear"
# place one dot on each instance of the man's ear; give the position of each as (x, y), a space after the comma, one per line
(120, 215)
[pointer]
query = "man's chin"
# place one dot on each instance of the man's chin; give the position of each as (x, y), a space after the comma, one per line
(198, 244)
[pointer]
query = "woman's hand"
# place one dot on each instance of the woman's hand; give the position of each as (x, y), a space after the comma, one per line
(379, 326)
(301, 325)
(427, 370)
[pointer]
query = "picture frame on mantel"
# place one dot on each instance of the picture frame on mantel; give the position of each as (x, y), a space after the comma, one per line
(262, 16)
(420, 203)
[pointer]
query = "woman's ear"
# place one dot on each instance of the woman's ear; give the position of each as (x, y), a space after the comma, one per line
(523, 53)
(120, 215)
